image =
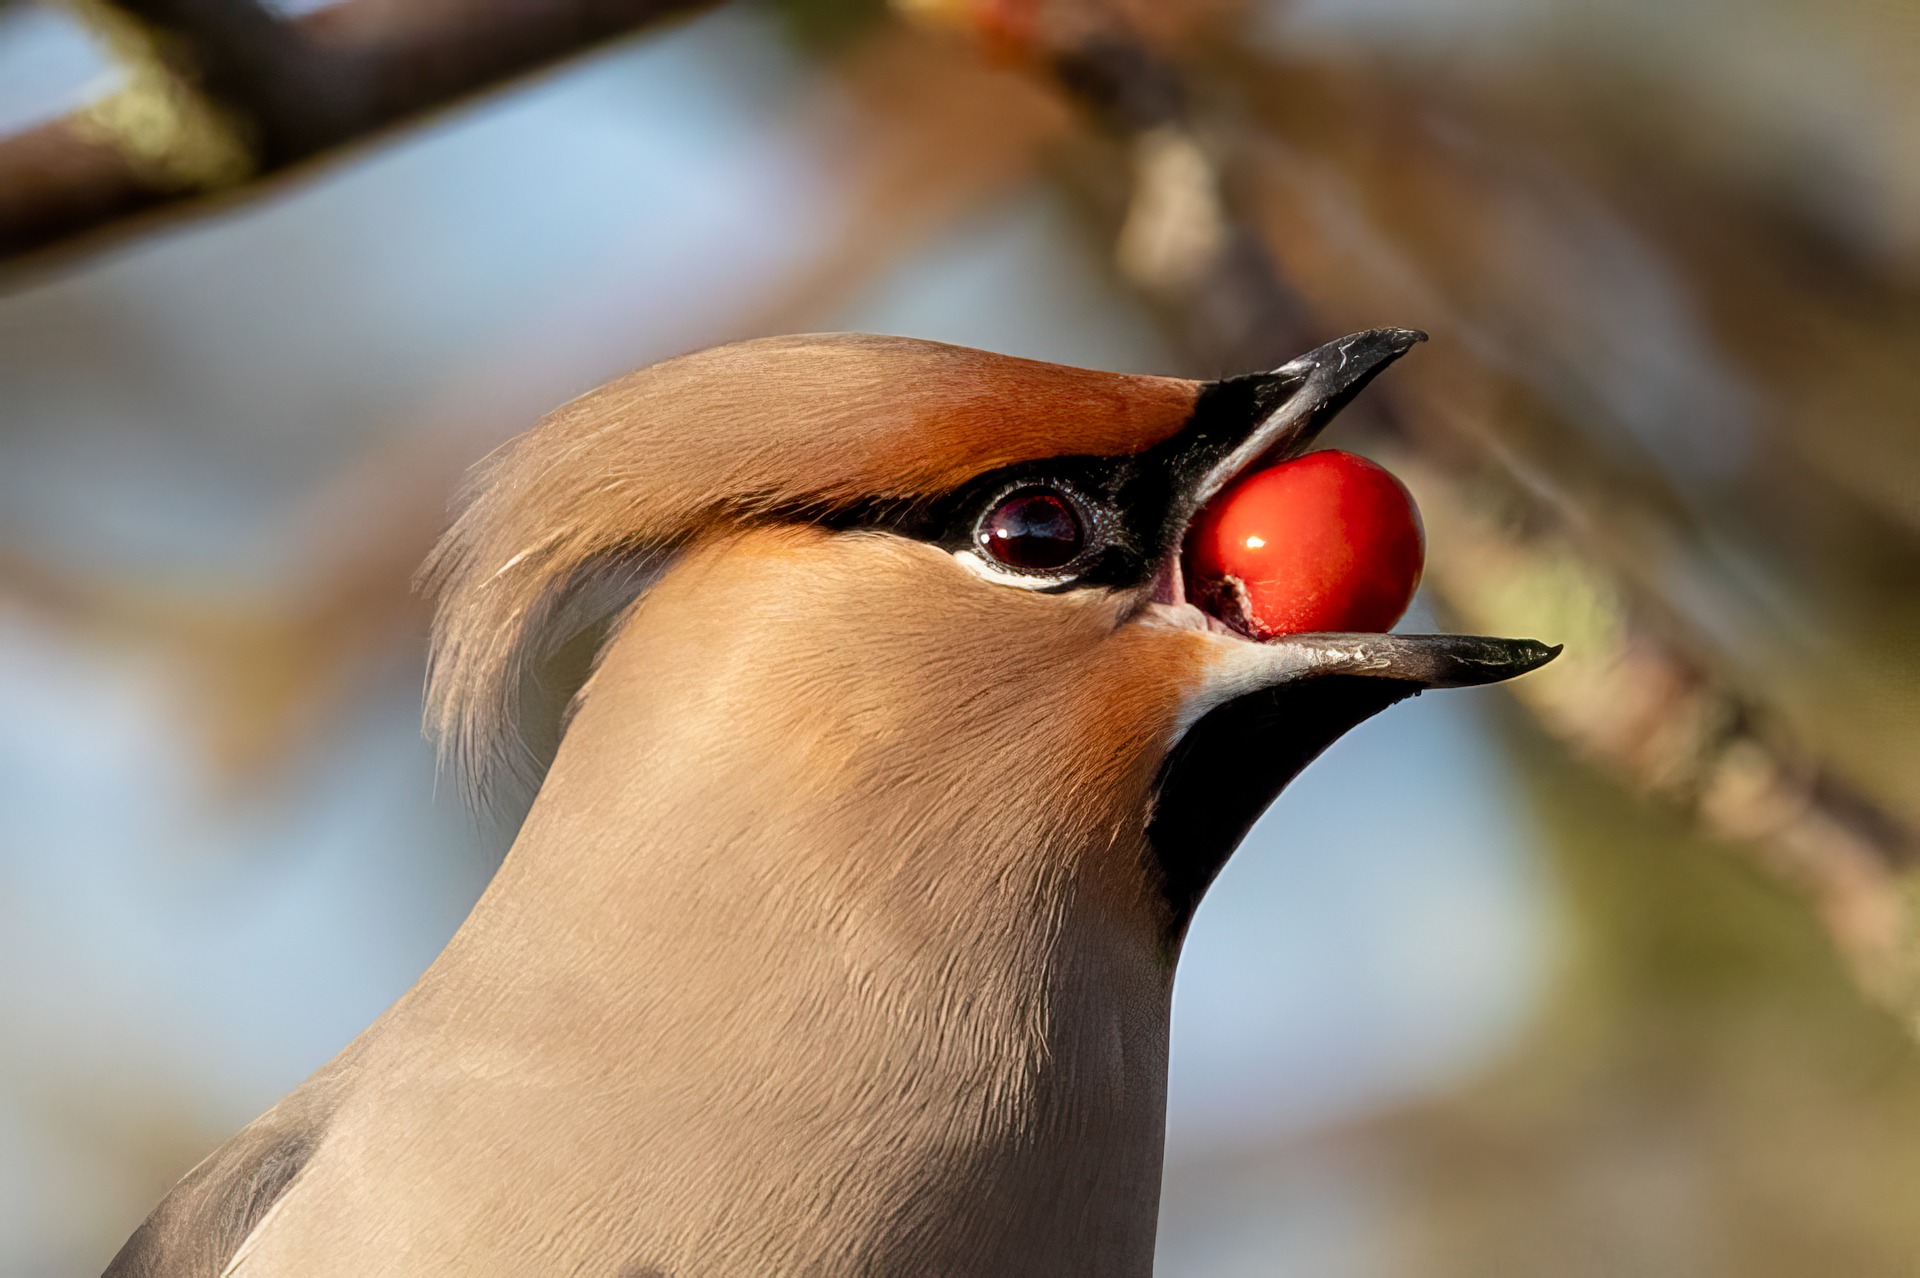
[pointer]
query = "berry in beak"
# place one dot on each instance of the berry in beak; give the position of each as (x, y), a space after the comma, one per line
(1325, 542)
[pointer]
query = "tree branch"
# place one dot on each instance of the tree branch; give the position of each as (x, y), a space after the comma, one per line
(222, 94)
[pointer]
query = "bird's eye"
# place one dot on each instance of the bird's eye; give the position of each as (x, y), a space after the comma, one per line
(1034, 530)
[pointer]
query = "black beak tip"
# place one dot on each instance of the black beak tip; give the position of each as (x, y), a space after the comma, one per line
(1532, 654)
(1509, 659)
(1370, 344)
(1336, 372)
(1471, 661)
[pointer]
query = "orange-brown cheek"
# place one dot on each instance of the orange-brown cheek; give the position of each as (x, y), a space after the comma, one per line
(1138, 692)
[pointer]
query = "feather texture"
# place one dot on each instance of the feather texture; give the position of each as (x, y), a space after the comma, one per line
(565, 524)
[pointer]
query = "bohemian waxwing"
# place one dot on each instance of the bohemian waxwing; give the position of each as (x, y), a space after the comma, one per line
(840, 935)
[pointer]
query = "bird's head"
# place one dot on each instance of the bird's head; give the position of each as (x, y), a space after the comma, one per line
(924, 588)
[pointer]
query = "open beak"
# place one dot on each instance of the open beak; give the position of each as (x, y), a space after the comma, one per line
(1258, 420)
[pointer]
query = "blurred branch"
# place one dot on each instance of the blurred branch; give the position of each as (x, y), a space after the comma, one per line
(1254, 253)
(932, 136)
(221, 93)
(267, 676)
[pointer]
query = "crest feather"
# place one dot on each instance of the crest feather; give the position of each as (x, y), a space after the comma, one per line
(562, 527)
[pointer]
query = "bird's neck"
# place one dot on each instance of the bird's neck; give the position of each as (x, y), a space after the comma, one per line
(799, 965)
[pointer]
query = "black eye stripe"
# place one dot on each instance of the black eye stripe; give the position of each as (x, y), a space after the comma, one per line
(1118, 547)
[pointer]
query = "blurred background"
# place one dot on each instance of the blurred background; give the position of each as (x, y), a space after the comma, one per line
(1616, 979)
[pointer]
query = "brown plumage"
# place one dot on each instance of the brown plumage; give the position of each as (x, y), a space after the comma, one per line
(840, 935)
(574, 513)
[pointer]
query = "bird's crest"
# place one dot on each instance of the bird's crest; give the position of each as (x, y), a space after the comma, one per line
(563, 526)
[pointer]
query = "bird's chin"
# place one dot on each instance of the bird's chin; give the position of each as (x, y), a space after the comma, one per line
(1268, 709)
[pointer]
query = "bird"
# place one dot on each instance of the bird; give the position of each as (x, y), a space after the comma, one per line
(869, 808)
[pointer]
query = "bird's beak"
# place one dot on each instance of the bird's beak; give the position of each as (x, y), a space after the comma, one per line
(1265, 709)
(1263, 418)
(1259, 419)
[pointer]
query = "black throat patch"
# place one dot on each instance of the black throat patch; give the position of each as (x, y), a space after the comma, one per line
(1231, 766)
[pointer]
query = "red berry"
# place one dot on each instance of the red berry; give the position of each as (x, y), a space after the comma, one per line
(1328, 541)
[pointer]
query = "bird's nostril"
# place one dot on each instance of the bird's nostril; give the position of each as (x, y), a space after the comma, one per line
(1035, 531)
